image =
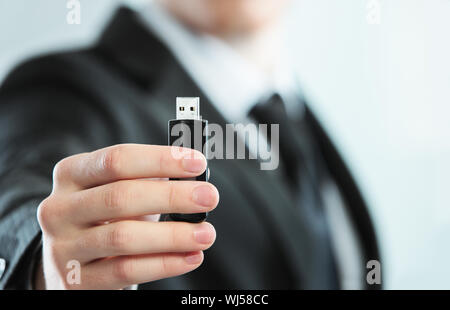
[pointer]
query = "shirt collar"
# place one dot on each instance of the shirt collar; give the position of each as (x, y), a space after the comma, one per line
(233, 84)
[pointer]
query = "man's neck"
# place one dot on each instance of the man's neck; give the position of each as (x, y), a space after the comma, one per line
(260, 48)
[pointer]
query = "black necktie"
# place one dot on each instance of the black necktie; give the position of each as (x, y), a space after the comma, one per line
(302, 166)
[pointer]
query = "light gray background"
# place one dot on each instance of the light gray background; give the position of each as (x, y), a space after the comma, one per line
(383, 91)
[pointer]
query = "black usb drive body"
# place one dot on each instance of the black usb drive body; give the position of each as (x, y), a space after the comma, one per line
(189, 130)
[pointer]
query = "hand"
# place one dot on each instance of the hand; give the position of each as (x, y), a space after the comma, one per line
(94, 216)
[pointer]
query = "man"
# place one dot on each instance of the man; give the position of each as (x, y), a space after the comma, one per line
(98, 119)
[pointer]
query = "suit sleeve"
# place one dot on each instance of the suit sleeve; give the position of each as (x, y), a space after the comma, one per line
(42, 120)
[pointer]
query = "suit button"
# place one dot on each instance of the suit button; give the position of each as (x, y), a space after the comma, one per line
(2, 267)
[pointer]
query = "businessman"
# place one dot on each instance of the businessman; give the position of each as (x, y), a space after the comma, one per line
(84, 168)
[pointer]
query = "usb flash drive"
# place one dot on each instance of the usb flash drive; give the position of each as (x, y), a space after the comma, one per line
(190, 131)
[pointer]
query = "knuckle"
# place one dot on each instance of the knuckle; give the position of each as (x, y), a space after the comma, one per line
(164, 265)
(165, 160)
(45, 213)
(112, 159)
(119, 237)
(123, 269)
(79, 200)
(175, 236)
(90, 241)
(117, 196)
(171, 193)
(61, 169)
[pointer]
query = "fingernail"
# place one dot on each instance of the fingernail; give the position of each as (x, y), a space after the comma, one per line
(204, 195)
(193, 258)
(204, 234)
(194, 164)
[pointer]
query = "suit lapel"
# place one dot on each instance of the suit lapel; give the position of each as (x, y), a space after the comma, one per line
(355, 203)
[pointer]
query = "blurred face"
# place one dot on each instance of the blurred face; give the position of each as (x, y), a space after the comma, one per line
(226, 17)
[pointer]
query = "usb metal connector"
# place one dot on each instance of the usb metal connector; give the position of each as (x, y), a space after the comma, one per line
(188, 108)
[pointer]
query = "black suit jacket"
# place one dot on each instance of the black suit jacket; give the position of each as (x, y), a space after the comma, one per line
(122, 90)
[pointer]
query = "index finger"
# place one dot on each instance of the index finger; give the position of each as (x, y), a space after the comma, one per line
(134, 161)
